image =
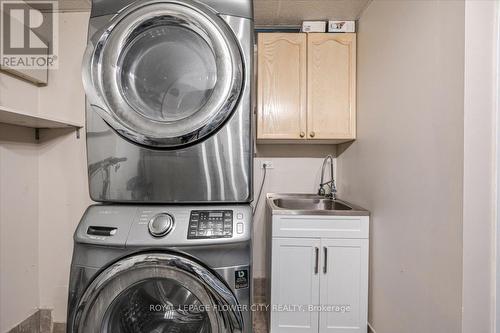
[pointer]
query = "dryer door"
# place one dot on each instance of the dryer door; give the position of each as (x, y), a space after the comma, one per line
(164, 73)
(157, 293)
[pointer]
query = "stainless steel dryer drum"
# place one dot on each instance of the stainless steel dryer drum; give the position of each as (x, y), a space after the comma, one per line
(168, 101)
(193, 279)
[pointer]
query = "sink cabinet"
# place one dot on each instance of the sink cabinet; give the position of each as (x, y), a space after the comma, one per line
(319, 261)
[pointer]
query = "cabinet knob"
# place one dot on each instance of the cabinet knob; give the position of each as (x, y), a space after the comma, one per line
(312, 134)
(302, 134)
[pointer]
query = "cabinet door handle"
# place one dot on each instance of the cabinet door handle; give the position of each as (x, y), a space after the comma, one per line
(325, 265)
(316, 266)
(302, 134)
(312, 134)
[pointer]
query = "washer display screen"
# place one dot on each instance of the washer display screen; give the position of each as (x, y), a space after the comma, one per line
(205, 224)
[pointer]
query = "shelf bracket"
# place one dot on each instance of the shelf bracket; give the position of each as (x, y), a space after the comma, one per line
(37, 134)
(77, 130)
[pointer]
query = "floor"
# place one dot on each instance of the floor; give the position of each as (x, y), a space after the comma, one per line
(259, 322)
(260, 316)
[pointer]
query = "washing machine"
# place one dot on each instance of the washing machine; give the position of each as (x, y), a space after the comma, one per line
(168, 86)
(161, 269)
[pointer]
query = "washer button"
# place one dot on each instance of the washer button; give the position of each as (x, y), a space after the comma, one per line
(239, 216)
(160, 225)
(239, 228)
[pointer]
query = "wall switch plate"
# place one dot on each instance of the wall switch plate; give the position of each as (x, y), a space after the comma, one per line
(268, 164)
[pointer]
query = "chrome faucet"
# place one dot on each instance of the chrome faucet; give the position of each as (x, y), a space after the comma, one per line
(331, 182)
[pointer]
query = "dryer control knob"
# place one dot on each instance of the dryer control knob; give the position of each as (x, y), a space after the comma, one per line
(160, 225)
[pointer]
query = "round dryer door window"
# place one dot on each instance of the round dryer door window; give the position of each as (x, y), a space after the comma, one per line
(157, 293)
(164, 73)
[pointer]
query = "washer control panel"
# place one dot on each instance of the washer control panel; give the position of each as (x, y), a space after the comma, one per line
(165, 226)
(204, 224)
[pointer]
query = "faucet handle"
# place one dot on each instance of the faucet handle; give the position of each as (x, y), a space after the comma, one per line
(333, 189)
(321, 191)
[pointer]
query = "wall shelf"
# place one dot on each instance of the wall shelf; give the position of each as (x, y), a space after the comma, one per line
(14, 117)
(37, 122)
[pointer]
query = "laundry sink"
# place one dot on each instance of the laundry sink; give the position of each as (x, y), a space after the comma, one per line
(310, 204)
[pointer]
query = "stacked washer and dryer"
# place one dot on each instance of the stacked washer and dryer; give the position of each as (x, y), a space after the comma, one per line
(169, 146)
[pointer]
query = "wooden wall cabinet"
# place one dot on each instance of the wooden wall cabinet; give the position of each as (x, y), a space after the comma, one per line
(306, 88)
(282, 80)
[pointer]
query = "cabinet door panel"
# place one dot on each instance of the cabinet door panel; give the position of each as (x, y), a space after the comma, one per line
(294, 283)
(281, 80)
(331, 112)
(344, 286)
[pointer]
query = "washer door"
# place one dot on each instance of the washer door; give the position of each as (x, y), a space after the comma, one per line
(164, 73)
(157, 293)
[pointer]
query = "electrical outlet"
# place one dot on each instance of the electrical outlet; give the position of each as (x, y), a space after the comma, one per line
(267, 164)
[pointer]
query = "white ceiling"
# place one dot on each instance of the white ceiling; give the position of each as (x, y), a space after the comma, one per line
(293, 12)
(278, 12)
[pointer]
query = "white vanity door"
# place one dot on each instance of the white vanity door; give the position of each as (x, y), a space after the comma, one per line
(344, 285)
(295, 282)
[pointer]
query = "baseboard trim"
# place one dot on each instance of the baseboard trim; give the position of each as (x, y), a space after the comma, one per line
(372, 330)
(59, 328)
(39, 322)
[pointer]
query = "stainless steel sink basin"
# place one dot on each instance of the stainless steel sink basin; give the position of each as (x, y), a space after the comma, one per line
(310, 204)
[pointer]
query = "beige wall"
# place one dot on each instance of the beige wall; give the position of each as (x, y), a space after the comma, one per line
(18, 95)
(64, 97)
(19, 267)
(43, 185)
(407, 165)
(63, 197)
(289, 175)
(63, 193)
(481, 91)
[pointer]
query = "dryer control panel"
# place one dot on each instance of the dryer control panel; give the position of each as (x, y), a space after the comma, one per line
(205, 224)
